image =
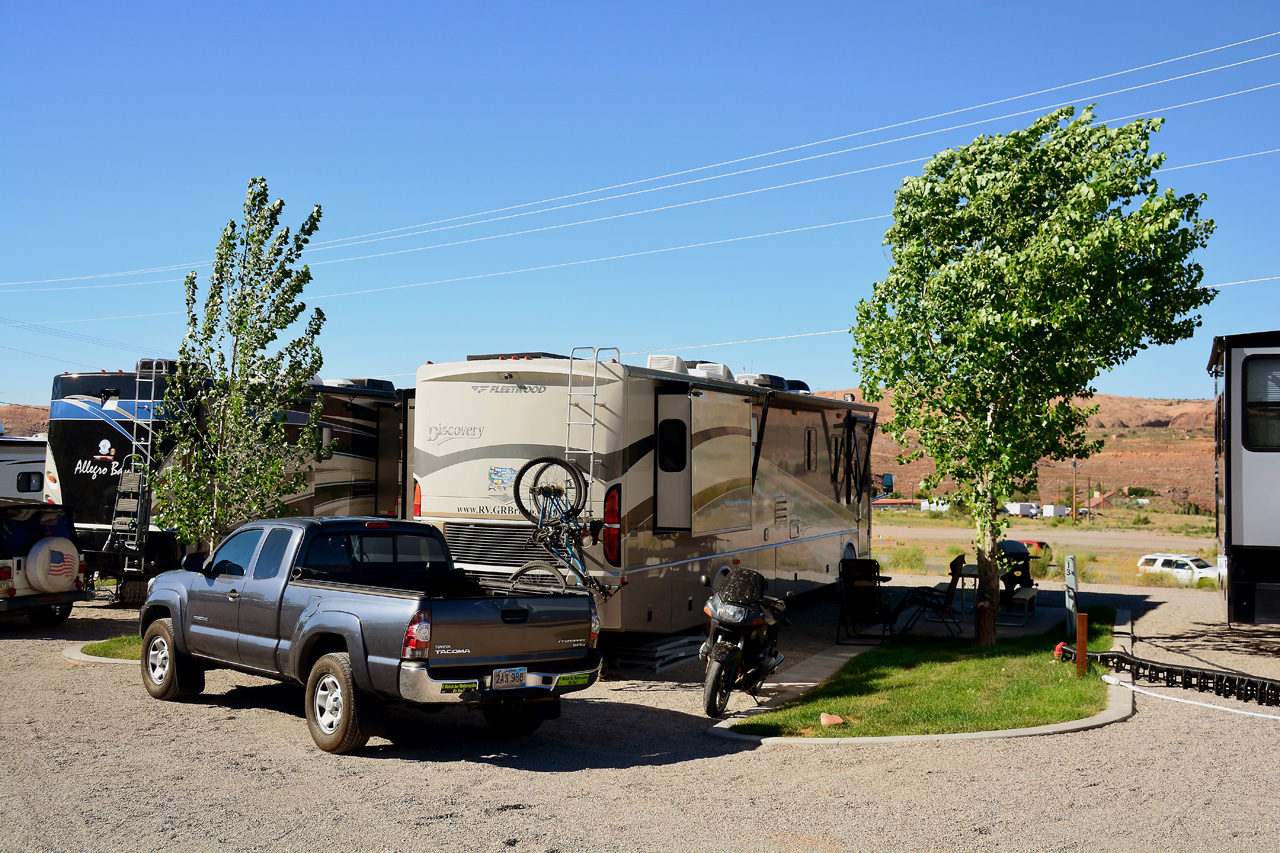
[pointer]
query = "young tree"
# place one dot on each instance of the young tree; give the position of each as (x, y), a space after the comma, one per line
(236, 457)
(1024, 265)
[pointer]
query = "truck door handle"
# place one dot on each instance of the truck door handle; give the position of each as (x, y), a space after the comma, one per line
(233, 595)
(515, 615)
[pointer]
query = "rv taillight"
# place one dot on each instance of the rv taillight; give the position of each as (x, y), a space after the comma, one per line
(6, 573)
(417, 499)
(613, 525)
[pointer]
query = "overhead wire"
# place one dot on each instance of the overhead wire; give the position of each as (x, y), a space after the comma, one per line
(348, 241)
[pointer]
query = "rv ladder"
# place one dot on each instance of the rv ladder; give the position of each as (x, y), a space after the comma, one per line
(131, 517)
(585, 402)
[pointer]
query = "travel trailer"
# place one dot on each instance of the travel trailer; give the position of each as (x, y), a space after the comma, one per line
(21, 466)
(1246, 372)
(688, 471)
(103, 443)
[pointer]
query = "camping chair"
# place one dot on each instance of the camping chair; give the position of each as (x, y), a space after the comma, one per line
(928, 600)
(861, 600)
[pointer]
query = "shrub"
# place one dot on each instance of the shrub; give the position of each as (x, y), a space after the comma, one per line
(1161, 579)
(1089, 558)
(1140, 492)
(934, 513)
(1088, 575)
(909, 558)
(954, 550)
(1207, 583)
(1141, 519)
(1042, 567)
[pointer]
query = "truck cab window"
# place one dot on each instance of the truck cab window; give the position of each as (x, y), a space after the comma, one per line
(234, 556)
(272, 555)
(1262, 403)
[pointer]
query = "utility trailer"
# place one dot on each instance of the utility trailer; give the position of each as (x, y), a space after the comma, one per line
(688, 471)
(1246, 372)
(103, 448)
(21, 466)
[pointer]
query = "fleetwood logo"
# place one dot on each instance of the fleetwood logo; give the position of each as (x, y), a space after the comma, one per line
(509, 389)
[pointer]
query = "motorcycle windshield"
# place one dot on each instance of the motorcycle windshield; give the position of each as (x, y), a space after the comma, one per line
(742, 587)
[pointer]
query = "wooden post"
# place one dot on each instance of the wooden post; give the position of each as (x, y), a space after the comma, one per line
(1082, 643)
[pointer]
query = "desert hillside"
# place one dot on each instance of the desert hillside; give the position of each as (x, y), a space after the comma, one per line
(1164, 445)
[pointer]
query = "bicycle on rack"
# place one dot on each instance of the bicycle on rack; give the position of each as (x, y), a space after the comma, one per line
(552, 493)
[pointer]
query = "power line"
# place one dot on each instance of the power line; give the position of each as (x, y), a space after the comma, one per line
(347, 241)
(50, 357)
(77, 336)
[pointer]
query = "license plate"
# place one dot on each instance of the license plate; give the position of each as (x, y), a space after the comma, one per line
(505, 679)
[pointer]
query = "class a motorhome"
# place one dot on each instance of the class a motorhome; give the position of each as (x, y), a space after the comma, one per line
(103, 443)
(21, 466)
(1246, 371)
(689, 469)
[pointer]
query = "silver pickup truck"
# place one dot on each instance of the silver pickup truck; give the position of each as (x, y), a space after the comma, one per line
(364, 612)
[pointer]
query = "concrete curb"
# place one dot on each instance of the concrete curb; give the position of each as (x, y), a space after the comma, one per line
(74, 653)
(822, 666)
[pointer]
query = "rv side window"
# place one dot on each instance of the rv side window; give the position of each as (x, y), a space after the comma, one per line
(673, 445)
(30, 481)
(810, 449)
(1262, 403)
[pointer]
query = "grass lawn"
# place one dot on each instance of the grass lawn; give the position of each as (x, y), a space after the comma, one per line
(128, 647)
(934, 685)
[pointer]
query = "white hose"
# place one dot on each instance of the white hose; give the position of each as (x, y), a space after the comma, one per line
(1111, 679)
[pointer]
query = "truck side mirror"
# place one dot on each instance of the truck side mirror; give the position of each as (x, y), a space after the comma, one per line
(194, 562)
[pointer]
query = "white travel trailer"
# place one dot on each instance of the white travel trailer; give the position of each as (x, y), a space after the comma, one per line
(21, 466)
(688, 471)
(1247, 454)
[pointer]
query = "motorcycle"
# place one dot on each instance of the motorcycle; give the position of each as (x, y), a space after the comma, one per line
(741, 650)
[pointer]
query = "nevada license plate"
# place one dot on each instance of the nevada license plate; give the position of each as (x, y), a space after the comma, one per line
(505, 679)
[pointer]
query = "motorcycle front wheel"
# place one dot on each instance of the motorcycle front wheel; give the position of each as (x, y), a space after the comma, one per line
(715, 691)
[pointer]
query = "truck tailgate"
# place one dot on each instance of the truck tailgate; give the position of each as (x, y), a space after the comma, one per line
(509, 630)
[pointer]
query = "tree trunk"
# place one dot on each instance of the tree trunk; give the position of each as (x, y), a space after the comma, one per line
(988, 599)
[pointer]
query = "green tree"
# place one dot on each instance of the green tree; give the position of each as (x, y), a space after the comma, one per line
(235, 456)
(1024, 265)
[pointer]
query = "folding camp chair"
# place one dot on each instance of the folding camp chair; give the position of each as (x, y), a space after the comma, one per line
(933, 604)
(862, 603)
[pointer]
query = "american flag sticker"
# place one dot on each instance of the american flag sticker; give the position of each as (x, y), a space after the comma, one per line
(60, 565)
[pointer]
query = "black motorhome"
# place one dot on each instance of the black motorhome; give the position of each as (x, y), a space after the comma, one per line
(1246, 371)
(102, 445)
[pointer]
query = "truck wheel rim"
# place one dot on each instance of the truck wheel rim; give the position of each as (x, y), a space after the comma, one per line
(158, 660)
(328, 704)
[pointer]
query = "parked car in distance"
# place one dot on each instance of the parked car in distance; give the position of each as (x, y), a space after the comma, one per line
(1037, 549)
(1184, 567)
(42, 571)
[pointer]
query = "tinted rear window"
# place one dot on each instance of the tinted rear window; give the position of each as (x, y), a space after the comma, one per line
(396, 561)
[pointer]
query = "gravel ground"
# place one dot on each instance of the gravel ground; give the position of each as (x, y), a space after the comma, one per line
(93, 763)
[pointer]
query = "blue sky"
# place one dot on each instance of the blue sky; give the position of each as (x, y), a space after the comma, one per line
(129, 132)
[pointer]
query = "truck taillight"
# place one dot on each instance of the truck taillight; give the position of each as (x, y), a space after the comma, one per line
(417, 500)
(613, 525)
(417, 636)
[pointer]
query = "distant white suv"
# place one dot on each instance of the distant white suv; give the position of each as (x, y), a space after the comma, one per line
(1184, 567)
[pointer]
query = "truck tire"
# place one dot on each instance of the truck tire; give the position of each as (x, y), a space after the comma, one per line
(48, 615)
(512, 722)
(331, 705)
(166, 672)
(131, 593)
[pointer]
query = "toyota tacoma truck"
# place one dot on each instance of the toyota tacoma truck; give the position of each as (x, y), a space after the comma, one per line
(41, 570)
(364, 612)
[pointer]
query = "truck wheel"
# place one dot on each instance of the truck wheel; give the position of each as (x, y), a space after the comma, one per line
(166, 672)
(49, 615)
(331, 705)
(508, 721)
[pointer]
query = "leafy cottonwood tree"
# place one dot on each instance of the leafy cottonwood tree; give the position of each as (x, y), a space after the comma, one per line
(1023, 265)
(234, 458)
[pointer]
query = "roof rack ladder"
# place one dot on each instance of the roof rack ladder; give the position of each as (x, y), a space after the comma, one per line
(131, 518)
(581, 409)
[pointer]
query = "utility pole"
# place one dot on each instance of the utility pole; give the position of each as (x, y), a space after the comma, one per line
(1075, 518)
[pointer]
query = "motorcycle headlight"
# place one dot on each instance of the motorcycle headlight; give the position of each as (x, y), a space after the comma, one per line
(730, 612)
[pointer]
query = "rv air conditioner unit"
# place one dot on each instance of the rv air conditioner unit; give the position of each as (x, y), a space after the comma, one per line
(669, 363)
(764, 380)
(711, 370)
(798, 386)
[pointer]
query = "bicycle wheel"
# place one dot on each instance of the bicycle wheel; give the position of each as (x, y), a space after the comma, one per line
(548, 488)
